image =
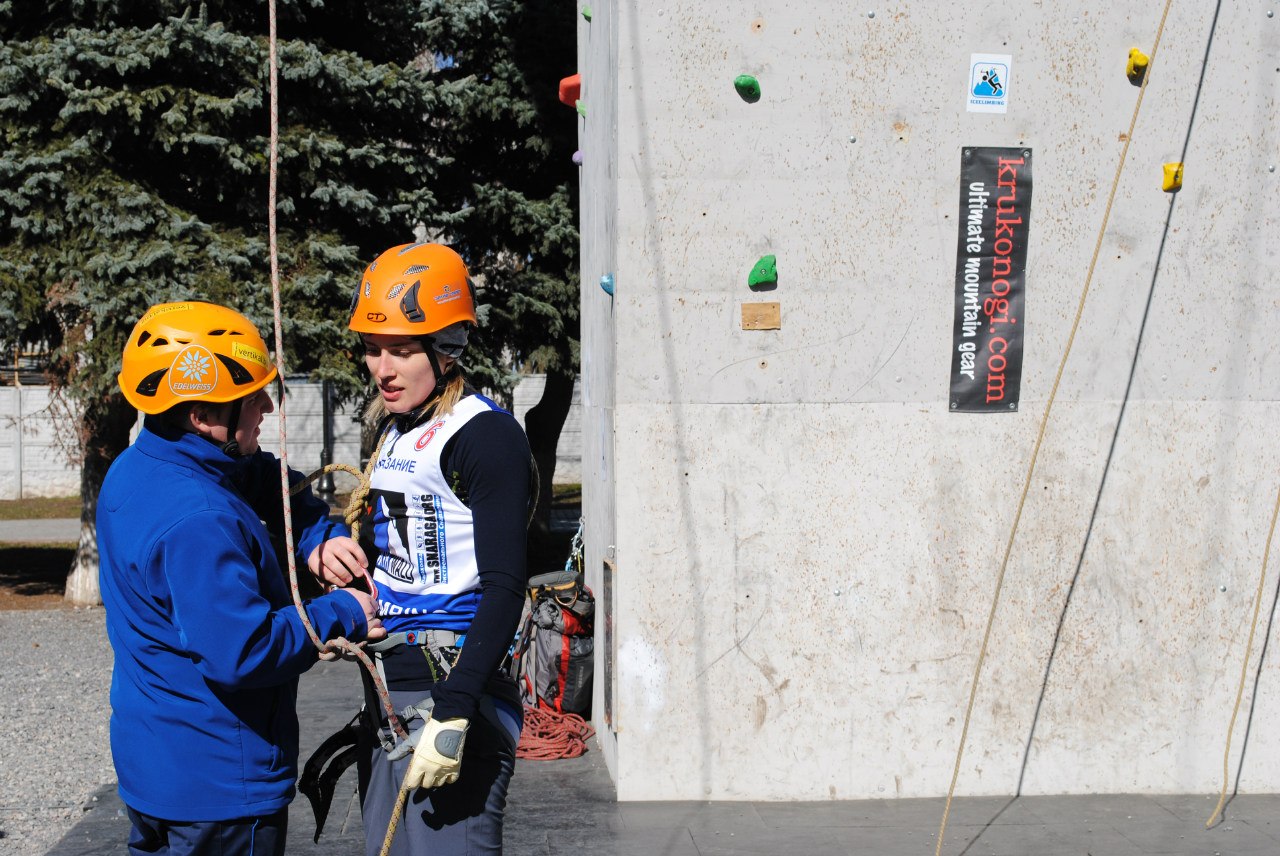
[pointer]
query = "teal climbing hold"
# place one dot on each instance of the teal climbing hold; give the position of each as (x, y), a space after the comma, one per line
(606, 283)
(748, 87)
(765, 272)
(586, 13)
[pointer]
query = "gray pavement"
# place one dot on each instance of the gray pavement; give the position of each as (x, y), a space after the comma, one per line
(569, 807)
(47, 530)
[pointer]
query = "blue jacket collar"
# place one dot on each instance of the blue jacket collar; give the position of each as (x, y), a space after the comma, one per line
(159, 440)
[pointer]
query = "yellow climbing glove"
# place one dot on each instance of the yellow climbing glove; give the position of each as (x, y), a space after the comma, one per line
(437, 753)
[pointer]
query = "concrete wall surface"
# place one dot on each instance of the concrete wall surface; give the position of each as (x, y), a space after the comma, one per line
(806, 540)
(40, 454)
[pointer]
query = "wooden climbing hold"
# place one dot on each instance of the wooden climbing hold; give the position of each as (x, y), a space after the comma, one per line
(570, 89)
(748, 87)
(764, 272)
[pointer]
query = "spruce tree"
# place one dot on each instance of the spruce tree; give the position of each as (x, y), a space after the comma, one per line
(134, 170)
(511, 169)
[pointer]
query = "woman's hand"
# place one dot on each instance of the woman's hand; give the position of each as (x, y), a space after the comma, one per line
(340, 562)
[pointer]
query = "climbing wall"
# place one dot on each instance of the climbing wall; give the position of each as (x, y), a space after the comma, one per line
(798, 527)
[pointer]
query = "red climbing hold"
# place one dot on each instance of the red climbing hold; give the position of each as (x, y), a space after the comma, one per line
(571, 89)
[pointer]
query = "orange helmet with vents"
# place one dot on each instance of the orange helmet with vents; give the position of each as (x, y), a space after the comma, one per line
(413, 290)
(192, 351)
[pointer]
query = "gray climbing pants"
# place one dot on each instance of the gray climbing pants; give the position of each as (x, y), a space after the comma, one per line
(460, 819)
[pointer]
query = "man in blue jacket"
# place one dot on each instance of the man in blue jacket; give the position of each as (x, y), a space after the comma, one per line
(208, 643)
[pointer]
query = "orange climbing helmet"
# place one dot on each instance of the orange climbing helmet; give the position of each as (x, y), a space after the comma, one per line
(192, 351)
(414, 290)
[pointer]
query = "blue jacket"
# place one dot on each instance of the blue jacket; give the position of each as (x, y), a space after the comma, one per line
(208, 644)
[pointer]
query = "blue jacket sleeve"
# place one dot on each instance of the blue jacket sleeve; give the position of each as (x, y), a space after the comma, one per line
(218, 576)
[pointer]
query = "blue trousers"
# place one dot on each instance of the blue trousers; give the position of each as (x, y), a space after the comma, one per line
(461, 819)
(248, 836)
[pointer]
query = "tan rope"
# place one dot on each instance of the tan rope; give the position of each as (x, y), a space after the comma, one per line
(1035, 454)
(328, 650)
(393, 825)
(1244, 667)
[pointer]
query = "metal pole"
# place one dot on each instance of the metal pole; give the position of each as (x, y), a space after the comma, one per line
(18, 441)
(325, 487)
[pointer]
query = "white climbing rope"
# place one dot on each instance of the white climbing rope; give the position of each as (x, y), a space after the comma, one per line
(1044, 421)
(327, 650)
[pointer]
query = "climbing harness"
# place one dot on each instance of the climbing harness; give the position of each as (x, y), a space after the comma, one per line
(1053, 393)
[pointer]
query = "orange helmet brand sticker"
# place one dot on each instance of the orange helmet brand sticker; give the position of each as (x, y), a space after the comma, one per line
(253, 355)
(162, 309)
(450, 293)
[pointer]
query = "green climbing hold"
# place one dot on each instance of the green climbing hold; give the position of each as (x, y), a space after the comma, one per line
(764, 273)
(581, 107)
(586, 13)
(748, 87)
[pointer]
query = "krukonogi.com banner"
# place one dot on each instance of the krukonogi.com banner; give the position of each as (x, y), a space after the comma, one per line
(991, 261)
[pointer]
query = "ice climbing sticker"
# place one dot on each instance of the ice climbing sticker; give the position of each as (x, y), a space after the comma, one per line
(991, 261)
(989, 83)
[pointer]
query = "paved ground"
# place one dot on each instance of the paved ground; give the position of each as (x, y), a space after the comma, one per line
(30, 531)
(568, 807)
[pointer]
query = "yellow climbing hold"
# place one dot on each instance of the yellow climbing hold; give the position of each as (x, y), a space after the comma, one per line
(1137, 66)
(1172, 177)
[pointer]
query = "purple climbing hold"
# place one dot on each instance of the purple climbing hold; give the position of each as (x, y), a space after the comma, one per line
(577, 157)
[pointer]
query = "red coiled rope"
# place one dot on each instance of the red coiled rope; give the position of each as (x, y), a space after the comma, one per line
(550, 735)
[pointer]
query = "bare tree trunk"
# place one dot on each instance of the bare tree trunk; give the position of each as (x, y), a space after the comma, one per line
(105, 434)
(543, 424)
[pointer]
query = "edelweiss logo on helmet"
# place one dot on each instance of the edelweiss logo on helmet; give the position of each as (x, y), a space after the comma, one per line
(194, 372)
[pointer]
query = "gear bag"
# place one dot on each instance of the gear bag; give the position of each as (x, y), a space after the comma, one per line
(555, 652)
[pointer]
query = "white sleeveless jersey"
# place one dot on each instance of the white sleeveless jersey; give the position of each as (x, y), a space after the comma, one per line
(423, 535)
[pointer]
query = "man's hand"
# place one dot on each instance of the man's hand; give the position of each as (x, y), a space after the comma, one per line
(341, 561)
(369, 605)
(437, 753)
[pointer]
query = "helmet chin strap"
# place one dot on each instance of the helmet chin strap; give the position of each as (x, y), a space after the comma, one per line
(231, 448)
(441, 379)
(405, 421)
